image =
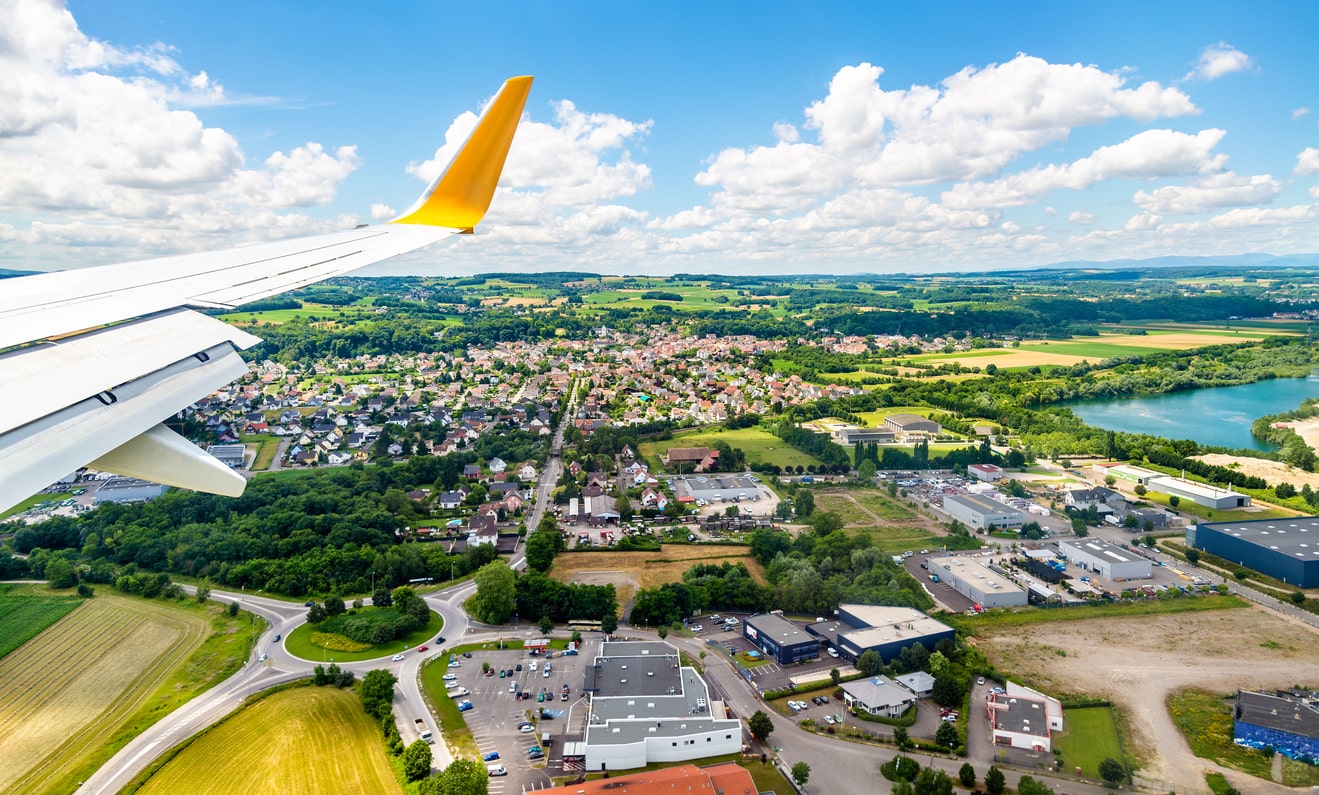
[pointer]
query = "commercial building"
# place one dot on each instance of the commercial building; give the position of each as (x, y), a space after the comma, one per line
(878, 696)
(647, 708)
(1286, 549)
(919, 683)
(982, 513)
(850, 434)
(986, 472)
(1132, 474)
(780, 638)
(978, 582)
(910, 426)
(231, 455)
(1019, 722)
(1287, 722)
(1106, 560)
(729, 488)
(1199, 493)
(883, 629)
(713, 780)
(128, 490)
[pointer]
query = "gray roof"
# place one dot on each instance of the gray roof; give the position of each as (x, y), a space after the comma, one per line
(779, 629)
(879, 692)
(1021, 715)
(1295, 536)
(1279, 711)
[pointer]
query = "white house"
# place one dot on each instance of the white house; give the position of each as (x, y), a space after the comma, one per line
(878, 696)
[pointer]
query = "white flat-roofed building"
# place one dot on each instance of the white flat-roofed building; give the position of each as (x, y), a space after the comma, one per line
(977, 581)
(1106, 560)
(1132, 474)
(128, 490)
(647, 708)
(986, 472)
(231, 455)
(1019, 722)
(1200, 493)
(982, 513)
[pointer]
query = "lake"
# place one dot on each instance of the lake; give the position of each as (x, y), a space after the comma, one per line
(1219, 416)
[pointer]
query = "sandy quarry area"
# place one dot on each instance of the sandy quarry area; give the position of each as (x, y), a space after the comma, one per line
(1137, 661)
(1307, 430)
(1274, 472)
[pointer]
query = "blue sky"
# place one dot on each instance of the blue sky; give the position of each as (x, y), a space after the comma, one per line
(737, 137)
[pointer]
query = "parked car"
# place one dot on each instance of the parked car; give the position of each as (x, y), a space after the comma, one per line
(565, 696)
(512, 687)
(497, 770)
(463, 706)
(980, 681)
(531, 666)
(467, 654)
(490, 672)
(535, 752)
(697, 627)
(540, 697)
(829, 719)
(518, 667)
(447, 677)
(526, 728)
(503, 674)
(490, 757)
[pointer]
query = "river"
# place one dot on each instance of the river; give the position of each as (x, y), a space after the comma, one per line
(1219, 416)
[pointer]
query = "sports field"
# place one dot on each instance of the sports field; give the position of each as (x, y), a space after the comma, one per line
(760, 446)
(305, 740)
(70, 689)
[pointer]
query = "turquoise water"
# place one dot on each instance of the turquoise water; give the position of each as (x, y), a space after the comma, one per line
(1219, 416)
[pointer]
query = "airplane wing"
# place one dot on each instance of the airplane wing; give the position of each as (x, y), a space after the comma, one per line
(92, 361)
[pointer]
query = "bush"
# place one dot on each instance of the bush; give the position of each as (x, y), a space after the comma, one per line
(900, 768)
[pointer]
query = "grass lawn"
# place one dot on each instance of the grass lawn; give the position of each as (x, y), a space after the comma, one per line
(875, 419)
(26, 611)
(1094, 351)
(323, 312)
(1257, 511)
(298, 643)
(892, 539)
(452, 724)
(266, 446)
(1090, 737)
(885, 507)
(304, 740)
(1205, 720)
(759, 445)
(841, 504)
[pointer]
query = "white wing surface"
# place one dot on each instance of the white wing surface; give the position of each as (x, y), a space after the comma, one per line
(93, 360)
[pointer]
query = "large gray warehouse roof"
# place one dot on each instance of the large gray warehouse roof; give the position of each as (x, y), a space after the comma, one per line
(780, 629)
(1295, 536)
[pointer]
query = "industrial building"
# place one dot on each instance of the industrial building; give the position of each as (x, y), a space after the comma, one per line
(1287, 722)
(977, 581)
(883, 629)
(1019, 723)
(1199, 493)
(1286, 549)
(911, 426)
(986, 472)
(780, 638)
(128, 490)
(1132, 474)
(717, 489)
(231, 455)
(847, 435)
(982, 513)
(647, 708)
(1106, 560)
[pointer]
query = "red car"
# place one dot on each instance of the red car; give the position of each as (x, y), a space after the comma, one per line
(423, 648)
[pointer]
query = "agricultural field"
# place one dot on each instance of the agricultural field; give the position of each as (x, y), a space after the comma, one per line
(303, 740)
(1090, 737)
(72, 688)
(760, 446)
(1066, 353)
(628, 571)
(25, 612)
(320, 312)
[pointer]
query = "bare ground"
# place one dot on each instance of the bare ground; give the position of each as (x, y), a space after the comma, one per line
(1137, 662)
(1272, 471)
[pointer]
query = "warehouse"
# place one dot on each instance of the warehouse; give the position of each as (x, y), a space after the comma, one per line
(848, 435)
(1200, 493)
(729, 488)
(982, 513)
(780, 638)
(978, 582)
(882, 629)
(1286, 549)
(1287, 722)
(646, 708)
(128, 490)
(911, 426)
(1106, 560)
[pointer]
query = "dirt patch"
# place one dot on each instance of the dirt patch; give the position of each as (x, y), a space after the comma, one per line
(1272, 471)
(624, 582)
(651, 569)
(1138, 661)
(1308, 430)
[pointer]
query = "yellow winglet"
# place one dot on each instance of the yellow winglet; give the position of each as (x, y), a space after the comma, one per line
(461, 194)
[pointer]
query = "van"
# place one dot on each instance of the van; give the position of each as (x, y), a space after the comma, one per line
(833, 652)
(496, 770)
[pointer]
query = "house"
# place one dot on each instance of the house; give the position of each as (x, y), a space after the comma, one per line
(651, 498)
(527, 472)
(472, 472)
(878, 696)
(450, 500)
(702, 458)
(1099, 498)
(497, 465)
(339, 458)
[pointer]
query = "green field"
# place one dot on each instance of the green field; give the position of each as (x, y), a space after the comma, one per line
(885, 507)
(1090, 737)
(24, 613)
(298, 643)
(452, 724)
(761, 447)
(875, 419)
(304, 740)
(1092, 350)
(267, 445)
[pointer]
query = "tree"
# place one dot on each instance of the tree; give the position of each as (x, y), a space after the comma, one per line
(967, 775)
(662, 631)
(1193, 556)
(408, 602)
(86, 592)
(203, 593)
(1112, 771)
(1140, 490)
(316, 614)
(540, 551)
(835, 676)
(377, 692)
(495, 593)
(1110, 481)
(866, 472)
(901, 738)
(801, 772)
(380, 598)
(417, 761)
(804, 503)
(932, 781)
(995, 781)
(232, 610)
(1079, 527)
(947, 691)
(60, 574)
(1174, 500)
(609, 623)
(576, 637)
(869, 663)
(826, 522)
(1297, 597)
(333, 606)
(946, 735)
(760, 725)
(1029, 786)
(462, 777)
(546, 625)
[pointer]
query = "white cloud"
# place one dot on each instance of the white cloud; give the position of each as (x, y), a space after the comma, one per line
(382, 212)
(1081, 217)
(1050, 211)
(1307, 162)
(1218, 60)
(1299, 112)
(1210, 193)
(1152, 153)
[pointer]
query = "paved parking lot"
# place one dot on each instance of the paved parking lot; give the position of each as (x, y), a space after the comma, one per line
(497, 711)
(771, 675)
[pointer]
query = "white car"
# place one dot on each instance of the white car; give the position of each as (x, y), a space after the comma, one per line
(697, 627)
(545, 674)
(829, 719)
(512, 687)
(449, 677)
(397, 658)
(532, 665)
(526, 728)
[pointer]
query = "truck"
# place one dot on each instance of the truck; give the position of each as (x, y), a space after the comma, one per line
(455, 692)
(423, 732)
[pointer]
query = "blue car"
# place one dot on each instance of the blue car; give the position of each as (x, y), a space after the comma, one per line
(492, 756)
(463, 706)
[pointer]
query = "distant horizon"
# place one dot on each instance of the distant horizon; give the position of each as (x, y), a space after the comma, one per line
(859, 137)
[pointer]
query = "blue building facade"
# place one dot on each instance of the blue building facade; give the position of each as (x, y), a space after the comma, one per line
(781, 639)
(1285, 722)
(1286, 549)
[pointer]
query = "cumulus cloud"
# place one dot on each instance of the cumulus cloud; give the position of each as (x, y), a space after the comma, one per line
(1081, 217)
(1210, 193)
(1218, 60)
(382, 212)
(1307, 162)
